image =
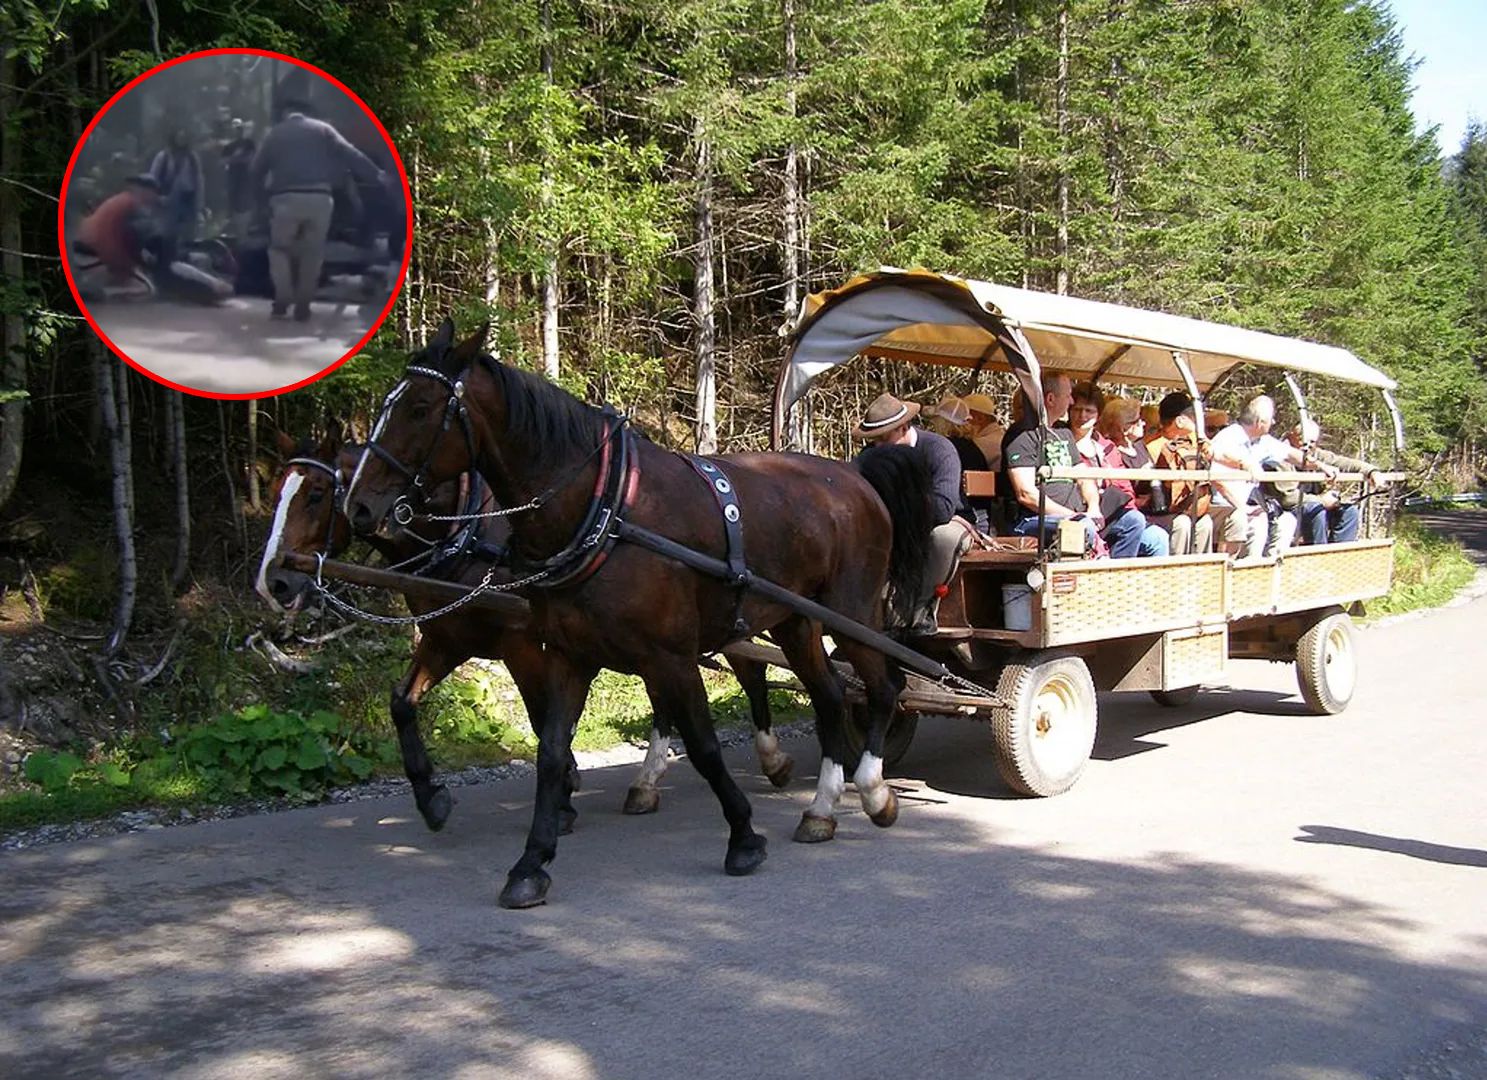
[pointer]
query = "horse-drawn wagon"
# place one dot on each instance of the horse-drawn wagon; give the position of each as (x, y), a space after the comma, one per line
(1047, 631)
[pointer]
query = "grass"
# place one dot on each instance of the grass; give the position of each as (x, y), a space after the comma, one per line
(475, 717)
(1428, 570)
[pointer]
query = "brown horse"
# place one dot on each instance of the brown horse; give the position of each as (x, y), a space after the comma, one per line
(308, 521)
(569, 472)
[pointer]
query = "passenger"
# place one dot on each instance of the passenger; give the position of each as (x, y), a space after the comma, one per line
(1247, 444)
(1151, 418)
(952, 419)
(237, 160)
(985, 431)
(889, 422)
(1084, 414)
(1121, 427)
(1325, 518)
(1028, 446)
(1177, 446)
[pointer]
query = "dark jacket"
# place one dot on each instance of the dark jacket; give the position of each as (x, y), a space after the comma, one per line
(944, 473)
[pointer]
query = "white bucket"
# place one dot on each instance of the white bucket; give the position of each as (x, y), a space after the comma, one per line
(1017, 607)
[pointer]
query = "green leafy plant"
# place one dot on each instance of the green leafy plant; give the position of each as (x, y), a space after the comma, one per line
(260, 751)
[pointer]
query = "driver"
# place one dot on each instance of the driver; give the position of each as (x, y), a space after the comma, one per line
(889, 422)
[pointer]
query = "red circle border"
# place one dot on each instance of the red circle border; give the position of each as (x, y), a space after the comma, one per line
(407, 206)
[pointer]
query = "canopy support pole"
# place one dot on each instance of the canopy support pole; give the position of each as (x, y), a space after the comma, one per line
(1301, 409)
(1192, 387)
(1398, 421)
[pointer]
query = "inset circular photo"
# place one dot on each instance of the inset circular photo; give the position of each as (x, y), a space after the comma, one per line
(235, 223)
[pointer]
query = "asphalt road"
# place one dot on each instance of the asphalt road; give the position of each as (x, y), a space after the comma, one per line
(1234, 889)
(234, 348)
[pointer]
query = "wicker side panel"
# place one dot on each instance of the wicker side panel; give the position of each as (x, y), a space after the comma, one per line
(1190, 659)
(1089, 601)
(1252, 590)
(1335, 573)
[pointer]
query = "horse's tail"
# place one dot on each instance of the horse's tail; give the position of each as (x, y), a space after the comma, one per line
(900, 476)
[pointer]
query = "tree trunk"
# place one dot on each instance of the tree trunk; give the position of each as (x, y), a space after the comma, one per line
(1061, 243)
(13, 343)
(550, 267)
(797, 431)
(113, 404)
(255, 501)
(177, 420)
(702, 301)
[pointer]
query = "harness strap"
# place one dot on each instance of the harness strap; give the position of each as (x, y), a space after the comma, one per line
(727, 498)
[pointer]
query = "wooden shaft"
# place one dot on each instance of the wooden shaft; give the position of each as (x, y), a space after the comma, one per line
(443, 592)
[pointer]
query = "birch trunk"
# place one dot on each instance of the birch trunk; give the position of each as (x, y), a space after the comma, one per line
(114, 410)
(13, 342)
(550, 269)
(797, 430)
(702, 301)
(255, 501)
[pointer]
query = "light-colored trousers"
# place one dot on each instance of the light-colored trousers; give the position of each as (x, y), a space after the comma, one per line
(1189, 537)
(298, 224)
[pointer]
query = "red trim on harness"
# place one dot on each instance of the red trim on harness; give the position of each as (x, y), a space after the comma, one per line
(628, 487)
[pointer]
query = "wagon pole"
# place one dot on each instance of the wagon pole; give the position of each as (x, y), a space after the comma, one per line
(513, 608)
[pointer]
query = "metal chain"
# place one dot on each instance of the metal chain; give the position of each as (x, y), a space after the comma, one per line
(530, 504)
(407, 620)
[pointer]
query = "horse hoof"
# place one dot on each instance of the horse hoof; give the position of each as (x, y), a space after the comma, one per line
(814, 830)
(566, 817)
(744, 858)
(526, 892)
(436, 809)
(781, 774)
(889, 814)
(642, 800)
(575, 778)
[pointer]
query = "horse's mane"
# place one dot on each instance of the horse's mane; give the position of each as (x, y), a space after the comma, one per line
(552, 425)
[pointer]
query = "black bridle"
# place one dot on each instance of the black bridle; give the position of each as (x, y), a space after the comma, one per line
(338, 492)
(454, 407)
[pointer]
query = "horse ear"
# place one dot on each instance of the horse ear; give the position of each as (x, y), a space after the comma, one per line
(443, 337)
(335, 434)
(285, 443)
(473, 345)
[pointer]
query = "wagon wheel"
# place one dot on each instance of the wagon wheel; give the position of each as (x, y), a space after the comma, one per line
(1046, 731)
(1327, 664)
(1175, 699)
(895, 743)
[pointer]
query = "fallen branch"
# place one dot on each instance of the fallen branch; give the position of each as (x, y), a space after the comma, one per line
(277, 656)
(331, 636)
(149, 676)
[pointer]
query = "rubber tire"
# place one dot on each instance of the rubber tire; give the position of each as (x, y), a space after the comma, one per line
(1327, 664)
(1175, 699)
(896, 742)
(1022, 756)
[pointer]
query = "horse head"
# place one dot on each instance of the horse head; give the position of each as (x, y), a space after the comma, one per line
(422, 437)
(307, 516)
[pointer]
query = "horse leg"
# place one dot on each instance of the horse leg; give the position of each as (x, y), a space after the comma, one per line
(644, 796)
(800, 639)
(431, 663)
(680, 701)
(567, 686)
(527, 664)
(776, 764)
(879, 801)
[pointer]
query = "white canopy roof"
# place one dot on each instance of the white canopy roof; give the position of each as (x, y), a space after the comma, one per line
(924, 317)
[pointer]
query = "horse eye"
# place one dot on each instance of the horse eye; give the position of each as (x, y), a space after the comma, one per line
(419, 412)
(316, 497)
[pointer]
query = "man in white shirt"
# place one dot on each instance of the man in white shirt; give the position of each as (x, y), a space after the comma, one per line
(1246, 444)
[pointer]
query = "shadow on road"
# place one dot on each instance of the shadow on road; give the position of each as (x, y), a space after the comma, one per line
(349, 941)
(1415, 849)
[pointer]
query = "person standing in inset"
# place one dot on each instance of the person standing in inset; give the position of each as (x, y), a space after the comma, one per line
(237, 160)
(303, 159)
(177, 170)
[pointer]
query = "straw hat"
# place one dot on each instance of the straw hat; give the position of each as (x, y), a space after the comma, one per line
(980, 403)
(952, 410)
(885, 415)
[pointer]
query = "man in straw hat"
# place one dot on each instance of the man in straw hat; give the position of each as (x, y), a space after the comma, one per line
(889, 422)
